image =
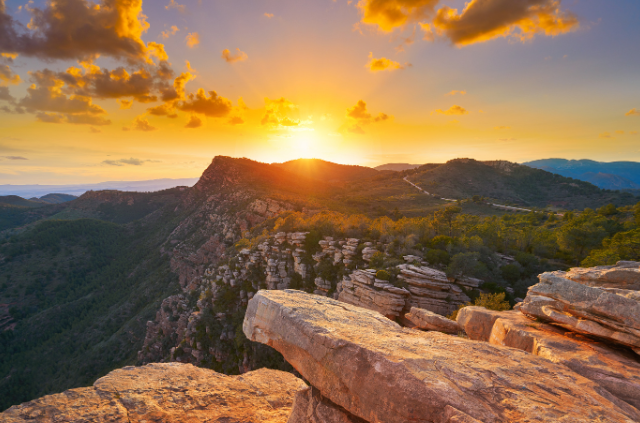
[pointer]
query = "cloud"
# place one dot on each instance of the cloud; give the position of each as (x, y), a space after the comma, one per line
(500, 128)
(356, 129)
(620, 132)
(238, 56)
(6, 95)
(453, 110)
(269, 15)
(279, 113)
(192, 39)
(14, 158)
(359, 111)
(605, 135)
(122, 162)
(382, 64)
(85, 119)
(125, 104)
(49, 117)
(140, 124)
(483, 20)
(179, 7)
(236, 120)
(7, 76)
(212, 106)
(171, 31)
(456, 92)
(362, 117)
(95, 130)
(194, 122)
(633, 112)
(391, 14)
(79, 29)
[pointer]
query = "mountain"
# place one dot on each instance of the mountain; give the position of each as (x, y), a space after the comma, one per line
(54, 198)
(397, 167)
(117, 278)
(16, 201)
(327, 171)
(512, 183)
(612, 175)
(76, 190)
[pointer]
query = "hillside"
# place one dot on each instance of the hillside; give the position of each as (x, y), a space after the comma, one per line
(397, 167)
(327, 171)
(16, 201)
(511, 183)
(612, 175)
(79, 281)
(54, 198)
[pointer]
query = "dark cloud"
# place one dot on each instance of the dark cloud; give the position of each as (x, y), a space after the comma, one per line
(79, 29)
(14, 158)
(7, 76)
(87, 120)
(49, 117)
(5, 94)
(483, 20)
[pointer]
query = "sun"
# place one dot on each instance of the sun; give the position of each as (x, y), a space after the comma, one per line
(304, 144)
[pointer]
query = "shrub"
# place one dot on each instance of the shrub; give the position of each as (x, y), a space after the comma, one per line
(383, 275)
(495, 302)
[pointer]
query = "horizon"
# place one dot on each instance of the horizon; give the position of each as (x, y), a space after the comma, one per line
(172, 84)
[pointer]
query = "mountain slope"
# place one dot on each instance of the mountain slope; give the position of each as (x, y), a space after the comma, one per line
(14, 200)
(512, 183)
(397, 167)
(327, 171)
(613, 175)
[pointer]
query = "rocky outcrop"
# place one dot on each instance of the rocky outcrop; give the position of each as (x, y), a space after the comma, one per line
(611, 314)
(432, 290)
(376, 370)
(614, 369)
(168, 393)
(362, 289)
(624, 275)
(311, 407)
(418, 318)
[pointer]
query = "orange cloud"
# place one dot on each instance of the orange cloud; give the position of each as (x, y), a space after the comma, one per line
(453, 110)
(269, 15)
(500, 128)
(483, 20)
(279, 113)
(171, 31)
(456, 92)
(212, 106)
(125, 104)
(236, 120)
(633, 112)
(194, 122)
(382, 64)
(141, 124)
(78, 29)
(391, 14)
(179, 7)
(7, 76)
(192, 39)
(238, 56)
(361, 115)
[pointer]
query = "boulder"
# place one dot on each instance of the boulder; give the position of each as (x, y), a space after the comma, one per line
(624, 275)
(168, 393)
(614, 369)
(609, 314)
(380, 372)
(426, 320)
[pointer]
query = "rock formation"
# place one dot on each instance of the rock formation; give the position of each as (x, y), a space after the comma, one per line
(362, 289)
(370, 367)
(589, 303)
(168, 393)
(418, 318)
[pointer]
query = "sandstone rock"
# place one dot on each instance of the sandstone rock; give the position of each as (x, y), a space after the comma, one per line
(311, 407)
(362, 289)
(380, 372)
(615, 370)
(427, 320)
(168, 393)
(613, 315)
(624, 275)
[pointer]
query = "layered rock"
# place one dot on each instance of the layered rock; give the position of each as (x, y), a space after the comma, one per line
(614, 369)
(624, 275)
(432, 290)
(362, 289)
(611, 314)
(380, 372)
(168, 393)
(418, 318)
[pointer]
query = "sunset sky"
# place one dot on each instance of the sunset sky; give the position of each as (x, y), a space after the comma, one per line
(133, 90)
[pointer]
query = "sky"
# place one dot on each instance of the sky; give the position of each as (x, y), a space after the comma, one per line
(136, 90)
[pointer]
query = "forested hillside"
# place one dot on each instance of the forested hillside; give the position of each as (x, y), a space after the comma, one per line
(79, 281)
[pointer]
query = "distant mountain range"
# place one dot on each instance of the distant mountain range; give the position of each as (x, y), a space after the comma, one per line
(28, 191)
(397, 167)
(613, 175)
(14, 200)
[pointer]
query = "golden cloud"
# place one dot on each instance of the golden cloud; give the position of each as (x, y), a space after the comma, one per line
(192, 39)
(500, 128)
(78, 29)
(456, 92)
(125, 104)
(238, 56)
(361, 115)
(236, 120)
(211, 106)
(171, 31)
(633, 112)
(279, 113)
(194, 122)
(179, 7)
(382, 64)
(7, 76)
(483, 20)
(269, 15)
(453, 110)
(142, 124)
(391, 14)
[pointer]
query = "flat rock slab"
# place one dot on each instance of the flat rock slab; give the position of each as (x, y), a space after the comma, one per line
(169, 392)
(623, 275)
(616, 370)
(380, 372)
(428, 320)
(610, 314)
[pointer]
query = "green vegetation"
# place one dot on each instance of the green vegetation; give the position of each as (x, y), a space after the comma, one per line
(491, 301)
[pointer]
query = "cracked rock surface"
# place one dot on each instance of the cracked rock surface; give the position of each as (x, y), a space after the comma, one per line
(168, 392)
